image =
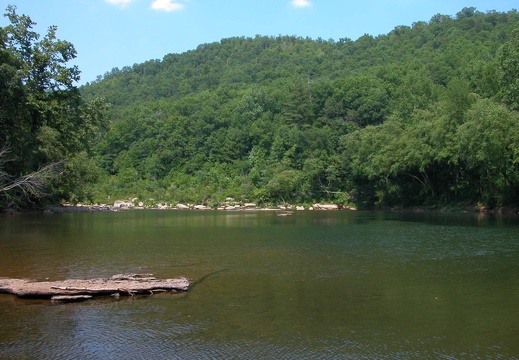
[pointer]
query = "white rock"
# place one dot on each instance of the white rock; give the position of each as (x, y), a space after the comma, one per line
(326, 207)
(122, 204)
(201, 207)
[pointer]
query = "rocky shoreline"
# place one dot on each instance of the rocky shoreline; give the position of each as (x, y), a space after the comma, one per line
(228, 205)
(231, 205)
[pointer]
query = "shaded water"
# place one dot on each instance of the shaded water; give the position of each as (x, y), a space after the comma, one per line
(349, 285)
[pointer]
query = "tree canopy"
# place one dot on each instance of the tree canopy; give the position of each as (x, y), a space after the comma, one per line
(45, 125)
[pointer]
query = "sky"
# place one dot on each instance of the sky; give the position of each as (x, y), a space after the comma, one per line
(117, 33)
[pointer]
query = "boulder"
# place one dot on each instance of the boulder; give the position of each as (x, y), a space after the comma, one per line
(123, 204)
(201, 207)
(326, 207)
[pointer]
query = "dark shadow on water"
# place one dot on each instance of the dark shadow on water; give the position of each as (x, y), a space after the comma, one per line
(203, 278)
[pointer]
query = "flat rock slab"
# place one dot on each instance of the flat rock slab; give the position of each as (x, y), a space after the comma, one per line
(122, 284)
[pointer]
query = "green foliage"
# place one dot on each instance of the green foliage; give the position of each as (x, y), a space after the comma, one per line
(509, 66)
(488, 146)
(425, 115)
(44, 121)
(80, 175)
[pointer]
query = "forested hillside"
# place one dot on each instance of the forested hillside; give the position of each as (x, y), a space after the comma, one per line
(425, 115)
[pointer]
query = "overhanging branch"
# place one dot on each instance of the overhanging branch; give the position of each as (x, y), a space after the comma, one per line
(30, 185)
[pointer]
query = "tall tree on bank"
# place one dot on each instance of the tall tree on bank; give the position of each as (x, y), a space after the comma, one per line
(45, 125)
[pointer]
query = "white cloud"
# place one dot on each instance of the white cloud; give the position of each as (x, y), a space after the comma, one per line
(121, 3)
(301, 3)
(167, 5)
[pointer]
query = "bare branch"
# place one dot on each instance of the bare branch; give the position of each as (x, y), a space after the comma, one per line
(34, 184)
(30, 185)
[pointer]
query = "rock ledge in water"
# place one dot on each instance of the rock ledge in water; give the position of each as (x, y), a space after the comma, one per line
(122, 284)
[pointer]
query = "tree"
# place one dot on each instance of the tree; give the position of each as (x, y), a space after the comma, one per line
(298, 105)
(363, 100)
(284, 184)
(488, 144)
(509, 63)
(44, 121)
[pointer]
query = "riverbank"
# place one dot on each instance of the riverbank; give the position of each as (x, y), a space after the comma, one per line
(231, 205)
(226, 206)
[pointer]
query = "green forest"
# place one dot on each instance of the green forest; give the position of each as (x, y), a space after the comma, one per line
(426, 115)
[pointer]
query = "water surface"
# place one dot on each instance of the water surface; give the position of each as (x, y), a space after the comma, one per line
(348, 285)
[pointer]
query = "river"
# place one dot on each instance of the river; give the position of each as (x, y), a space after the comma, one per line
(314, 285)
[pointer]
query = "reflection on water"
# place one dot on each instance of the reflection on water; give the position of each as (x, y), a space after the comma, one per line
(357, 285)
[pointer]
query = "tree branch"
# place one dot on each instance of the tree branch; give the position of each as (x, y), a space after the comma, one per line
(30, 185)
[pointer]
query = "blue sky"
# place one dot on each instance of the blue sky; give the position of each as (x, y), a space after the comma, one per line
(117, 33)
